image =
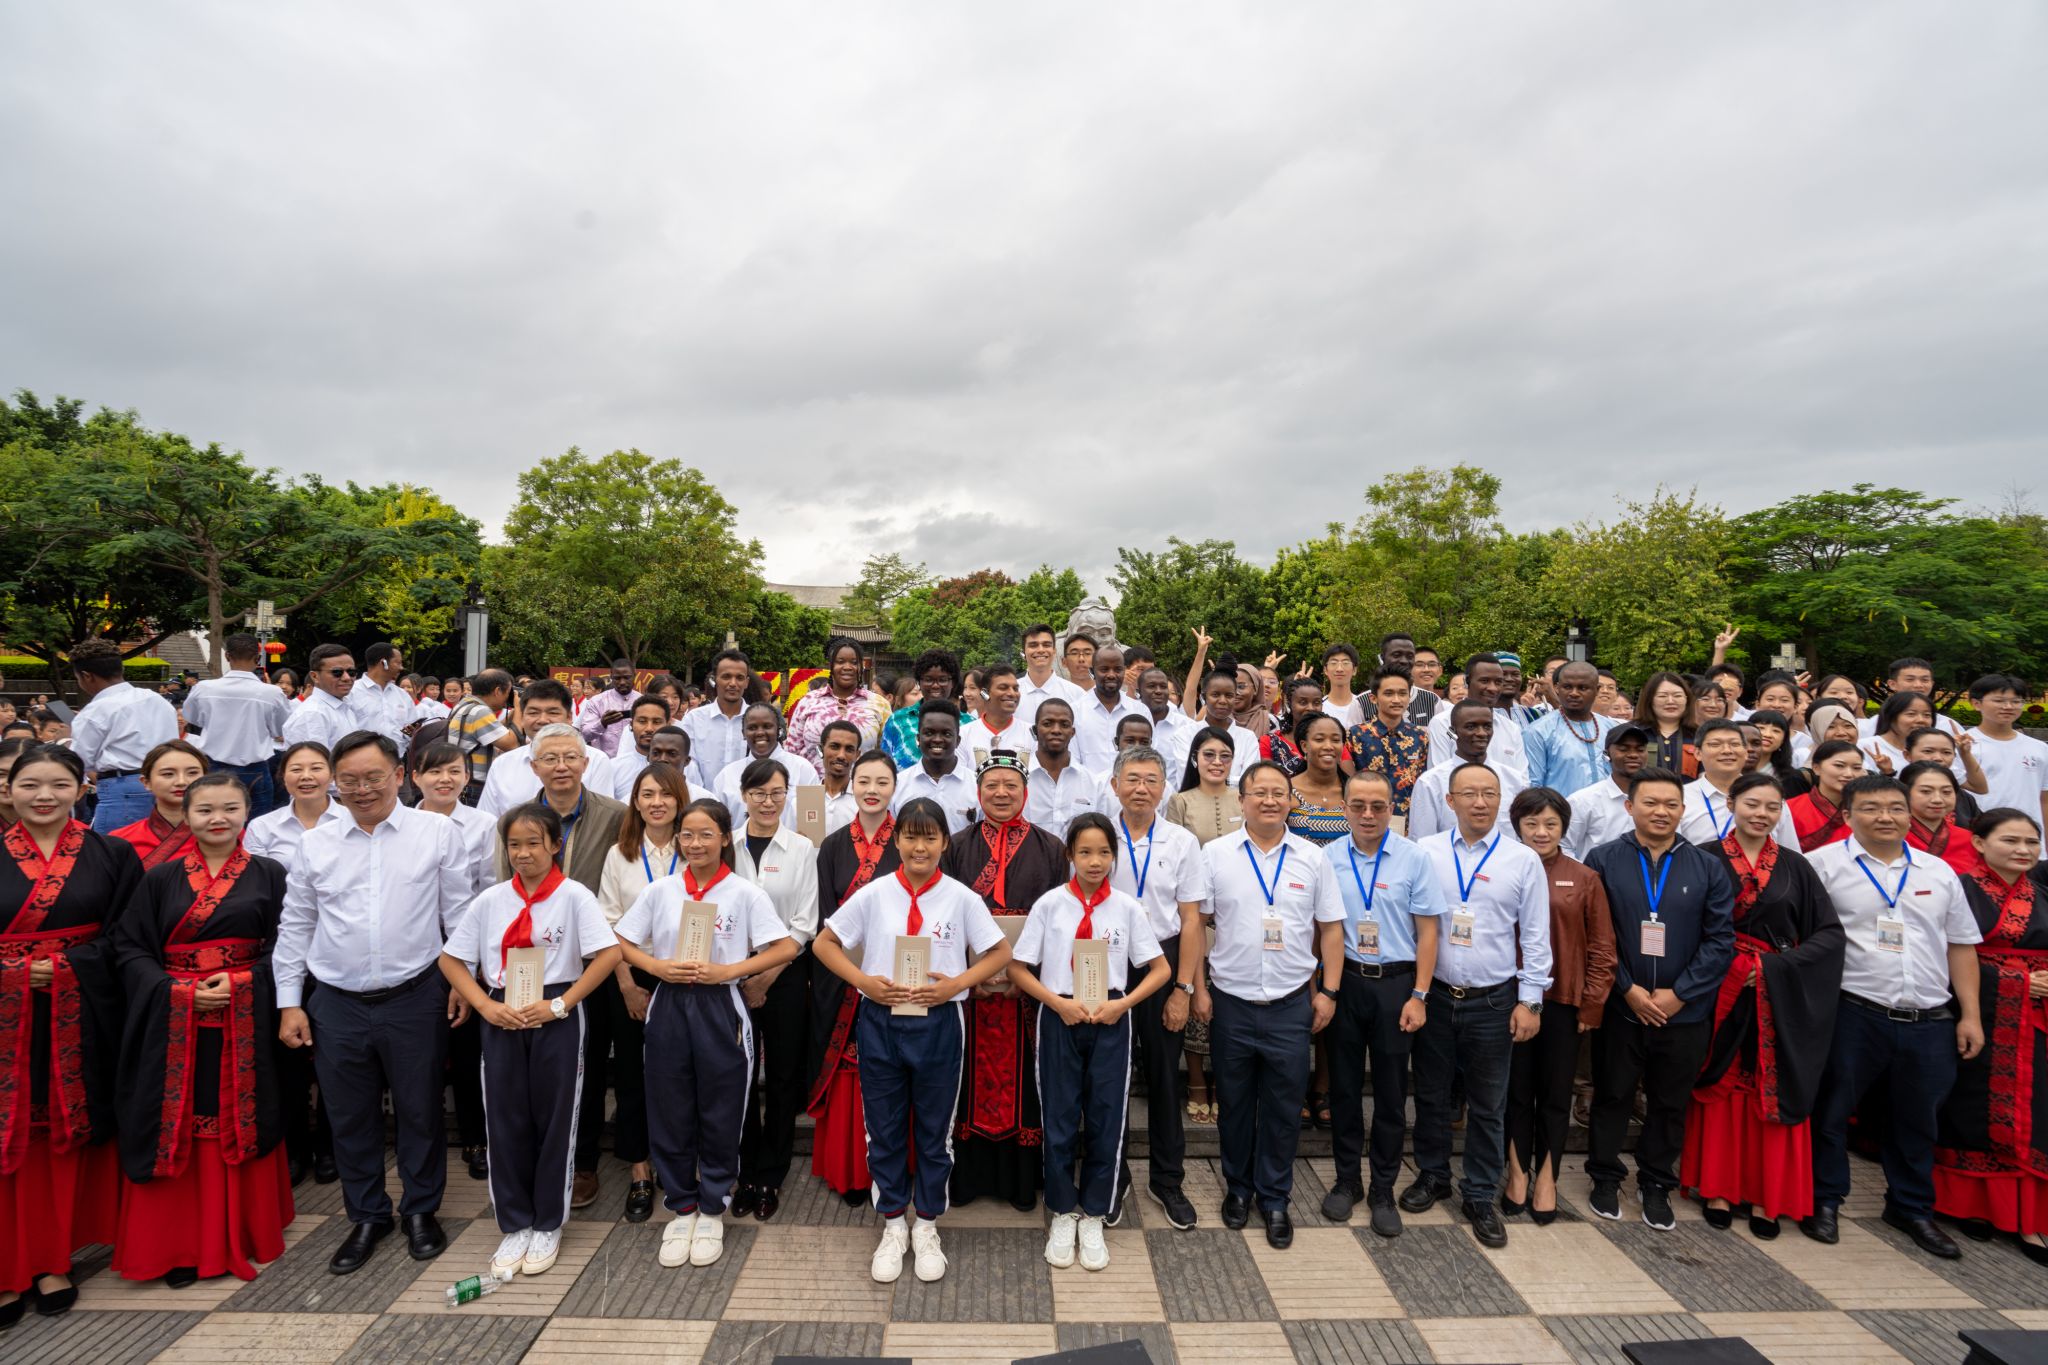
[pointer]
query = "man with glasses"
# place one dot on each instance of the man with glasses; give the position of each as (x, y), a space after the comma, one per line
(324, 716)
(357, 963)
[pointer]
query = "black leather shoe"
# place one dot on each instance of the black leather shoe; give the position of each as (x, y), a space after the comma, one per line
(1342, 1198)
(180, 1276)
(1236, 1212)
(355, 1248)
(744, 1200)
(423, 1236)
(1821, 1226)
(2034, 1251)
(1386, 1219)
(325, 1172)
(479, 1161)
(11, 1314)
(300, 1168)
(54, 1302)
(640, 1201)
(856, 1199)
(1279, 1229)
(1926, 1234)
(1486, 1224)
(1977, 1229)
(766, 1203)
(1421, 1197)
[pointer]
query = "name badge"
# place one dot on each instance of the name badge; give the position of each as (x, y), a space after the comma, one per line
(1272, 941)
(1653, 938)
(1461, 928)
(1891, 935)
(1368, 938)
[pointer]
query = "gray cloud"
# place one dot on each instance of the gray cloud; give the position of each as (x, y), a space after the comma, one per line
(1002, 287)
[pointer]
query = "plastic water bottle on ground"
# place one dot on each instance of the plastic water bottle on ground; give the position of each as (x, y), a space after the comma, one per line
(471, 1289)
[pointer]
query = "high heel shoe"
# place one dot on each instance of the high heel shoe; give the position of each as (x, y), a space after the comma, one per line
(1510, 1207)
(1542, 1218)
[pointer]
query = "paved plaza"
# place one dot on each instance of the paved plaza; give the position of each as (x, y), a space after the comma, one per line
(1573, 1291)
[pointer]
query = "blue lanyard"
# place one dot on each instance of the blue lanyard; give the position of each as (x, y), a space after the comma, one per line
(1253, 858)
(1146, 871)
(673, 854)
(1458, 868)
(1365, 888)
(1891, 902)
(1655, 894)
(1720, 828)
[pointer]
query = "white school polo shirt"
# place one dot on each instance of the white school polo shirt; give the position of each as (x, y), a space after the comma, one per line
(746, 921)
(1047, 943)
(568, 926)
(955, 920)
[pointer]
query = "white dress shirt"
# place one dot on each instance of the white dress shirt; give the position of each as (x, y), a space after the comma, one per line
(1504, 748)
(1304, 894)
(116, 730)
(955, 920)
(368, 908)
(1052, 801)
(977, 739)
(1167, 860)
(1030, 695)
(568, 928)
(788, 872)
(1094, 746)
(479, 844)
(240, 718)
(430, 708)
(322, 718)
(1599, 815)
(1047, 942)
(630, 763)
(511, 780)
(715, 738)
(794, 766)
(954, 792)
(1930, 904)
(1429, 806)
(1707, 817)
(386, 709)
(1507, 894)
(279, 835)
(624, 878)
(840, 810)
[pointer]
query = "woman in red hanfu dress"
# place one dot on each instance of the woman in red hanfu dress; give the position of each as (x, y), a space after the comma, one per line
(61, 888)
(161, 836)
(1931, 796)
(209, 1189)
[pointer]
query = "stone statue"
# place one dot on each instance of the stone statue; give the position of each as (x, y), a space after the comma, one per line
(1094, 619)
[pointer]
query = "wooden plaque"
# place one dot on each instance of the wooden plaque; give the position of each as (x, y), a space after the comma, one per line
(1091, 972)
(525, 975)
(693, 939)
(810, 813)
(913, 967)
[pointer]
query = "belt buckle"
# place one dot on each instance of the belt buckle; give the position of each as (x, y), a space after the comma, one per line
(1457, 992)
(1899, 1016)
(1371, 971)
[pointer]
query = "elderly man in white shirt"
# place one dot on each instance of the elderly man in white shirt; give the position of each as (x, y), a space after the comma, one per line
(115, 731)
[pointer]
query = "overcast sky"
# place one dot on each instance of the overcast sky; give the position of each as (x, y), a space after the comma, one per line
(996, 284)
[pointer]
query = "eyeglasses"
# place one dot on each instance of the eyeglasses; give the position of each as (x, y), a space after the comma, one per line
(764, 794)
(339, 672)
(348, 786)
(556, 760)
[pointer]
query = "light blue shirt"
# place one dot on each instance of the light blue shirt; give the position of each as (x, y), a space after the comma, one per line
(1562, 757)
(1403, 885)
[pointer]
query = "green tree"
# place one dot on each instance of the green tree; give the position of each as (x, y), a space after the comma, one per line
(1296, 598)
(982, 616)
(413, 600)
(1651, 584)
(784, 633)
(1163, 596)
(1863, 576)
(884, 581)
(620, 555)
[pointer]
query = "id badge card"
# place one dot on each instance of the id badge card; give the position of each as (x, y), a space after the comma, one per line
(1653, 938)
(1461, 928)
(1368, 938)
(1891, 934)
(1272, 942)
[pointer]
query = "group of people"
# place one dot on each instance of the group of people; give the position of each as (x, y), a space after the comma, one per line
(1746, 914)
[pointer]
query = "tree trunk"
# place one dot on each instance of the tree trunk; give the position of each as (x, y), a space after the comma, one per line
(216, 618)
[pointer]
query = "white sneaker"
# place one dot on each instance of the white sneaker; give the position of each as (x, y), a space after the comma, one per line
(675, 1240)
(707, 1243)
(930, 1260)
(1094, 1251)
(887, 1267)
(1059, 1243)
(511, 1254)
(546, 1246)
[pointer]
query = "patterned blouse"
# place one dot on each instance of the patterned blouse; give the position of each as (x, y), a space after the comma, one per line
(1400, 754)
(817, 708)
(899, 737)
(1317, 823)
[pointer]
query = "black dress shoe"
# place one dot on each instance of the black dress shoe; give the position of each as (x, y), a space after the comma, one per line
(51, 1303)
(1279, 1229)
(1510, 1207)
(856, 1199)
(744, 1200)
(1386, 1219)
(1821, 1226)
(2034, 1251)
(325, 1172)
(1236, 1212)
(1542, 1218)
(1977, 1229)
(1926, 1234)
(1762, 1228)
(12, 1313)
(299, 1168)
(1719, 1219)
(478, 1159)
(1421, 1197)
(1342, 1198)
(423, 1236)
(355, 1248)
(640, 1201)
(179, 1276)
(766, 1203)
(1486, 1224)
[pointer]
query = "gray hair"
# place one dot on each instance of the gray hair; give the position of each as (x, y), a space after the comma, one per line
(1137, 753)
(555, 731)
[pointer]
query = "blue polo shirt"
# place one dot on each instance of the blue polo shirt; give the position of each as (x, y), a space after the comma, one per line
(1403, 885)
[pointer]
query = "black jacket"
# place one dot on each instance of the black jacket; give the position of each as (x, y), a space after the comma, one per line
(1697, 910)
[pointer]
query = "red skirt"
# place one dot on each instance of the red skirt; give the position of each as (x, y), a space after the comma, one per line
(839, 1143)
(1732, 1154)
(219, 1218)
(56, 1203)
(2010, 1201)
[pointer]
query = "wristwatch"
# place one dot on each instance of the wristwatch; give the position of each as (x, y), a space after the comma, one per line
(1184, 987)
(561, 1010)
(1536, 1008)
(1423, 996)
(1321, 989)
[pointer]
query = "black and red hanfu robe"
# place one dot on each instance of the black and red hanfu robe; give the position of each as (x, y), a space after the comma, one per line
(847, 861)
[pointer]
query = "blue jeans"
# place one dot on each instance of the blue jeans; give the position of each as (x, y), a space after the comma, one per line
(256, 777)
(1467, 1040)
(123, 801)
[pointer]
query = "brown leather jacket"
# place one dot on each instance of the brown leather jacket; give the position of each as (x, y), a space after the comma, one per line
(1581, 940)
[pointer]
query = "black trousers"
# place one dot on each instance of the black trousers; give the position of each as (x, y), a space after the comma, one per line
(1366, 1031)
(782, 1038)
(700, 1064)
(530, 1079)
(1159, 1051)
(1084, 1087)
(466, 1080)
(360, 1048)
(613, 1048)
(306, 1133)
(1665, 1062)
(1466, 1041)
(1260, 1054)
(1540, 1091)
(1917, 1061)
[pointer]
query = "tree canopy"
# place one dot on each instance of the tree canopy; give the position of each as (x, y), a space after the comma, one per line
(982, 616)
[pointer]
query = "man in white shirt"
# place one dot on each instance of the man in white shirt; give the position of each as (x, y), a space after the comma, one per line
(1484, 679)
(1911, 675)
(1060, 788)
(648, 718)
(1040, 681)
(1708, 816)
(1911, 947)
(1340, 666)
(714, 730)
(2015, 765)
(380, 705)
(114, 731)
(1473, 726)
(1600, 812)
(1171, 726)
(762, 728)
(1273, 977)
(998, 726)
(239, 721)
(1494, 950)
(839, 744)
(511, 780)
(325, 715)
(1095, 720)
(364, 920)
(939, 774)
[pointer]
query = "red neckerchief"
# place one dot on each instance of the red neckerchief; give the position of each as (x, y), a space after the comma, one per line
(1753, 878)
(1086, 928)
(46, 879)
(1003, 842)
(519, 933)
(698, 893)
(2015, 904)
(869, 851)
(1941, 831)
(208, 888)
(915, 921)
